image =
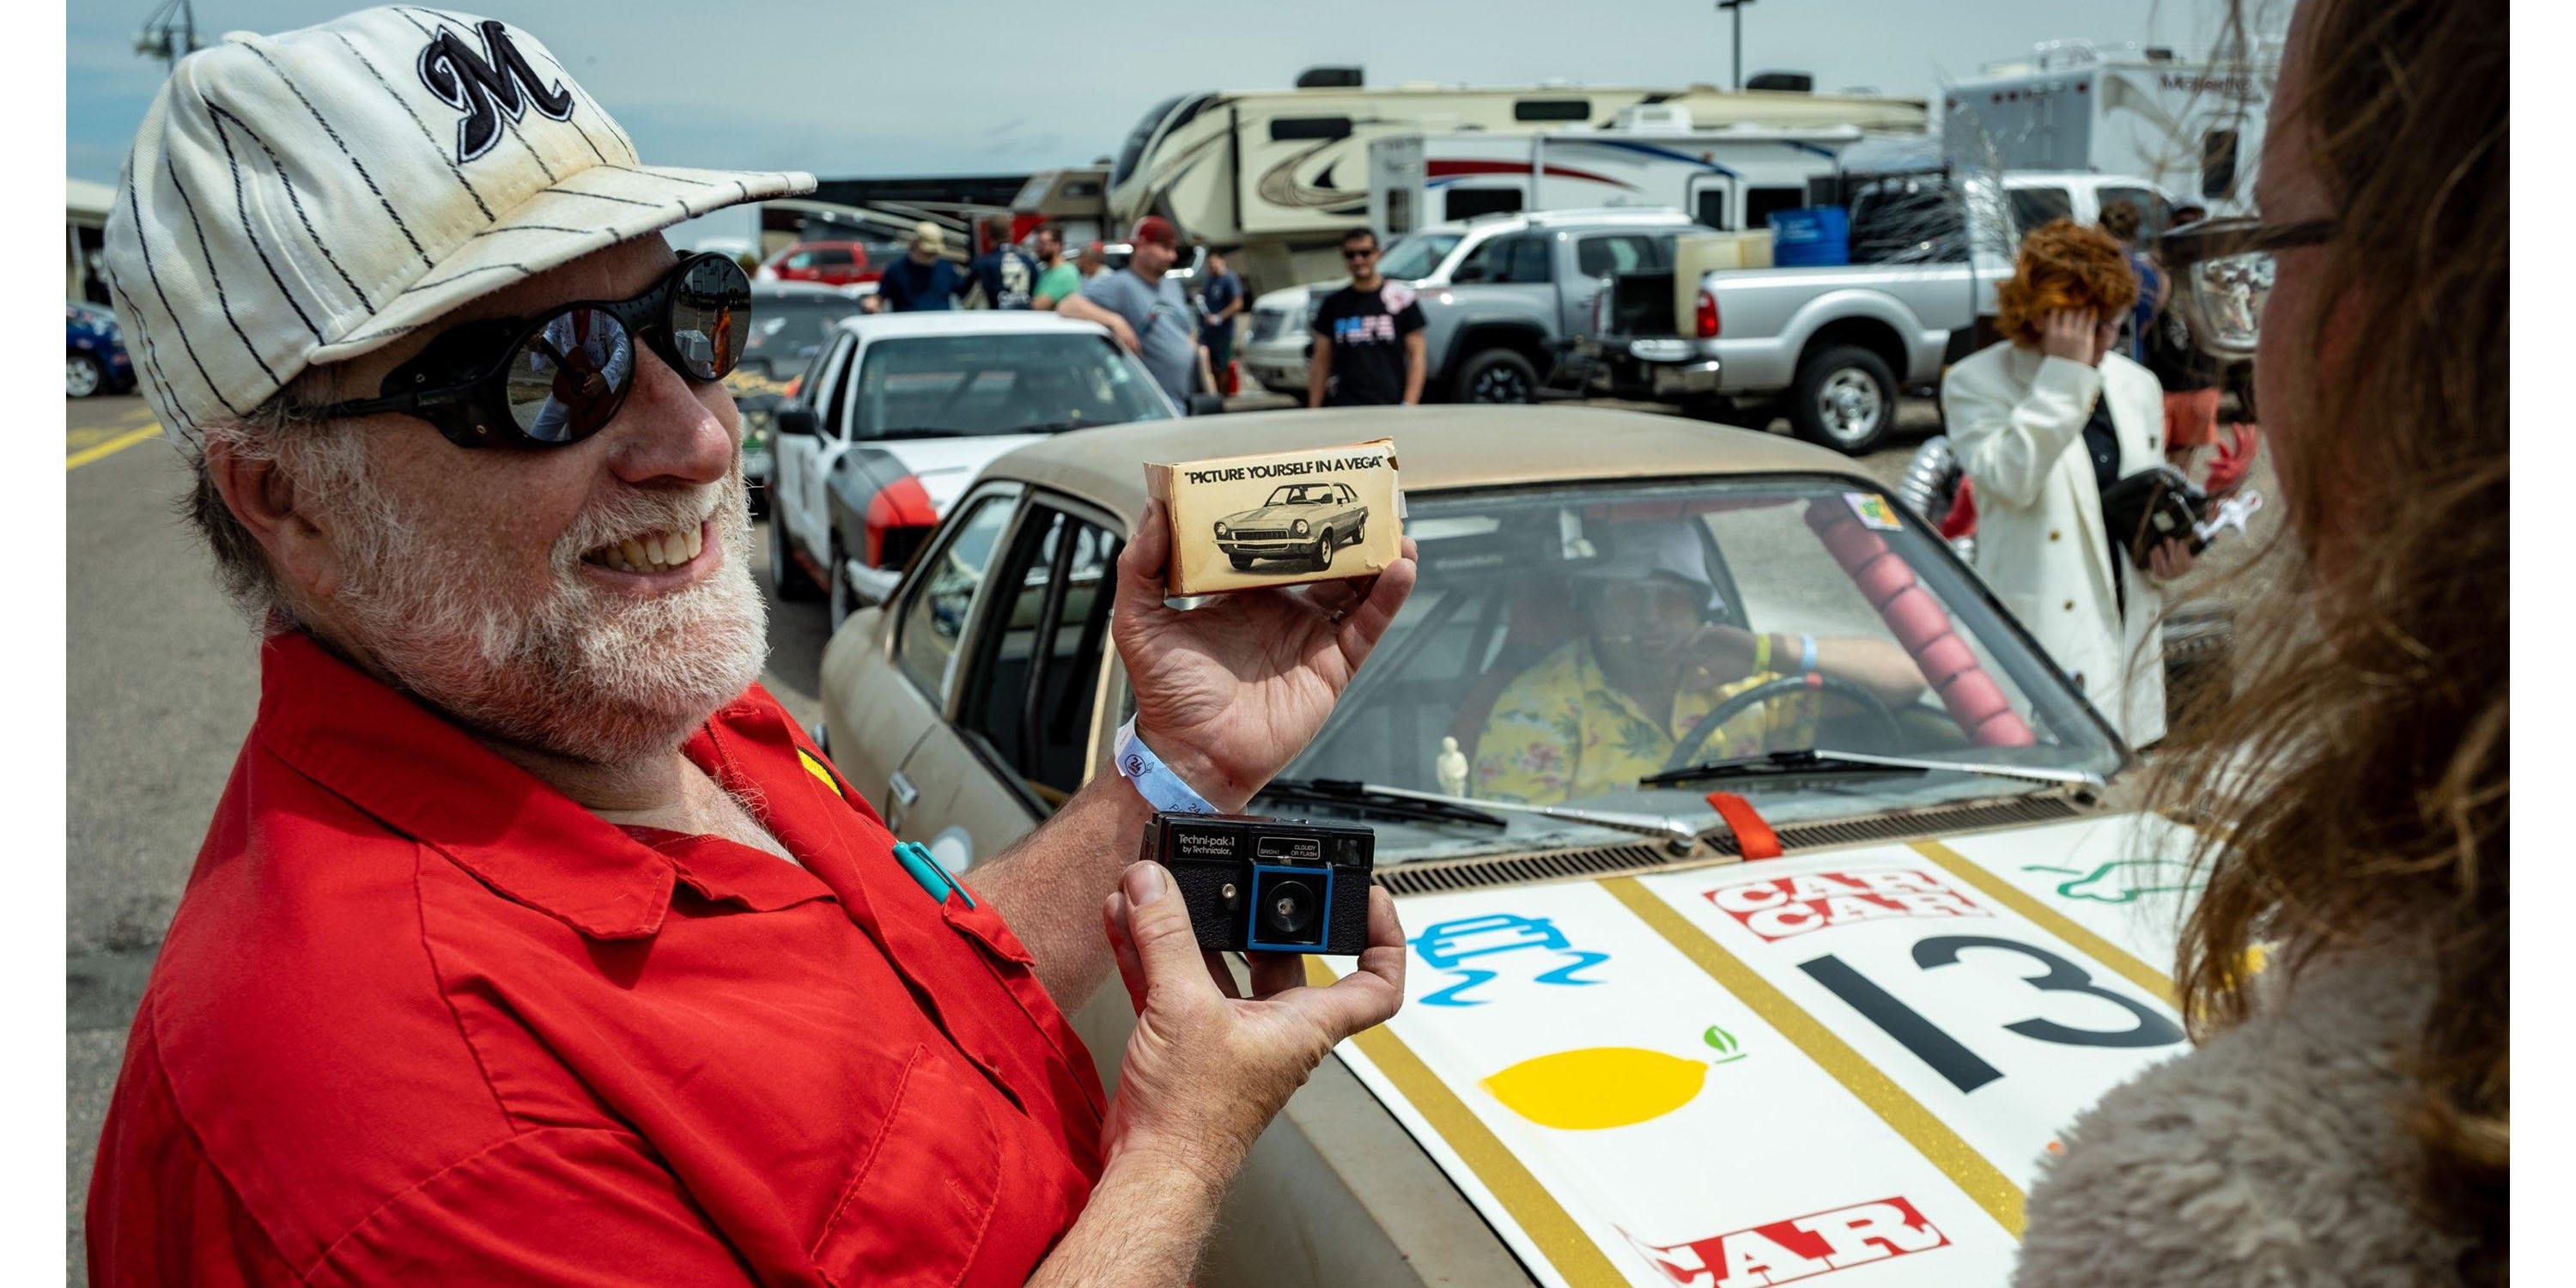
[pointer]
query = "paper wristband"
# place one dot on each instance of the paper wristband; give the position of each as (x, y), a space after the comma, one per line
(1155, 780)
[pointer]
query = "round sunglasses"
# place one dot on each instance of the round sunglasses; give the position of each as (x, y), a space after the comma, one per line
(560, 377)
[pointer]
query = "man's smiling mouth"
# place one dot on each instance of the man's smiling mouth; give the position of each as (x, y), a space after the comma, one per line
(652, 551)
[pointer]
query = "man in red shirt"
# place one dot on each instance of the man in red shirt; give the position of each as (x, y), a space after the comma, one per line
(531, 942)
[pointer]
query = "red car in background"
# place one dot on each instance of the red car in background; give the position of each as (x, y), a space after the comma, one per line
(833, 263)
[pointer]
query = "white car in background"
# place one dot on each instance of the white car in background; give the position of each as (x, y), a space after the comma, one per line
(1276, 350)
(896, 415)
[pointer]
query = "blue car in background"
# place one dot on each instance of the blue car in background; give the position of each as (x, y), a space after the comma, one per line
(95, 361)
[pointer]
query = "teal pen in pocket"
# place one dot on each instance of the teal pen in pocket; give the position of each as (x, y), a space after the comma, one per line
(925, 870)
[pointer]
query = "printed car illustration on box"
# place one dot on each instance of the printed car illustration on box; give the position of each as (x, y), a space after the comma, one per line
(1309, 521)
(1628, 1057)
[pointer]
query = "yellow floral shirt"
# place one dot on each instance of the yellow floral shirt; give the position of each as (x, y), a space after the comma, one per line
(1561, 731)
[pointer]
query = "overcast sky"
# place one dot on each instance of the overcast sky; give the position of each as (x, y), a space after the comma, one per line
(872, 88)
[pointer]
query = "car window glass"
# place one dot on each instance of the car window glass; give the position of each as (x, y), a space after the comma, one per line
(831, 393)
(2032, 207)
(2152, 212)
(801, 259)
(972, 385)
(1038, 663)
(1477, 265)
(1600, 256)
(1467, 203)
(1527, 262)
(936, 615)
(834, 255)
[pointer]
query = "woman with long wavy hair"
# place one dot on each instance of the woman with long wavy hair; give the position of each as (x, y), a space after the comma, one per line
(2346, 1116)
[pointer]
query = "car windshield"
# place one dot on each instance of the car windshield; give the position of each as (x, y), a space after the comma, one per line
(1573, 640)
(1303, 494)
(1414, 255)
(967, 385)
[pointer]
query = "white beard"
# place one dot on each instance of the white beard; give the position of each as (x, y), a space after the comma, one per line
(578, 672)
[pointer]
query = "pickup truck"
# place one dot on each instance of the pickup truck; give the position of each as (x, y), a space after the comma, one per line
(1837, 345)
(1500, 296)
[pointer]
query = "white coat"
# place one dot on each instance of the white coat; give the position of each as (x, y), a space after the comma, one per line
(2016, 424)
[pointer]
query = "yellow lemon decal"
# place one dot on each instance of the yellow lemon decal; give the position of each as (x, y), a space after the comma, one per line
(1596, 1087)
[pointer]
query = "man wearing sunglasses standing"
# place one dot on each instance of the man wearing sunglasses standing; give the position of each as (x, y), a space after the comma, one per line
(1368, 337)
(531, 942)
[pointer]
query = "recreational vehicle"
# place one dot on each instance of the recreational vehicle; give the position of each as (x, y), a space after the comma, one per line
(1269, 174)
(2194, 128)
(1729, 179)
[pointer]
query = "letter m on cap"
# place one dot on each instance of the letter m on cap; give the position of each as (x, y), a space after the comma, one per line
(484, 85)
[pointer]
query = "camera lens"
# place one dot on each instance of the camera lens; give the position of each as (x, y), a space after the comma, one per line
(1288, 910)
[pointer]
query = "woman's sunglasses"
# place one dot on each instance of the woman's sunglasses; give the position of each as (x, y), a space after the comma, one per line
(2223, 273)
(560, 377)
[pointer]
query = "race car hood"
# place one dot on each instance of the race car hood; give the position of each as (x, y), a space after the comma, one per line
(1278, 515)
(1746, 1073)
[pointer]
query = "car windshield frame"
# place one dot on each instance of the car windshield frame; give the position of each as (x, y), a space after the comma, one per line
(2074, 735)
(1123, 390)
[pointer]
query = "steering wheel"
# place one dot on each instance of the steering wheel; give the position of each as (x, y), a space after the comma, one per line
(1686, 751)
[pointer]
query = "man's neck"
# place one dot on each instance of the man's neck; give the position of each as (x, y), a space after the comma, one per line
(1372, 283)
(1150, 279)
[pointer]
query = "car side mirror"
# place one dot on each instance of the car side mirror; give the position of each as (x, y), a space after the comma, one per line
(795, 418)
(1206, 404)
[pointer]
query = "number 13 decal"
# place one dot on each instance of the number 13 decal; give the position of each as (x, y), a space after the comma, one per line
(1950, 1058)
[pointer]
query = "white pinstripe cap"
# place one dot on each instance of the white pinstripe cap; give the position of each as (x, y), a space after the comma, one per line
(303, 198)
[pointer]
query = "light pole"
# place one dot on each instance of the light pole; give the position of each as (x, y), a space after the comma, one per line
(1736, 7)
(170, 33)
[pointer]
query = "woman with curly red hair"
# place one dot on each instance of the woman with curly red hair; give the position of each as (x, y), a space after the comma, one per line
(2041, 424)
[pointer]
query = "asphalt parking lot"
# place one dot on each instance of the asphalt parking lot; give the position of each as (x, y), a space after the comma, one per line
(163, 683)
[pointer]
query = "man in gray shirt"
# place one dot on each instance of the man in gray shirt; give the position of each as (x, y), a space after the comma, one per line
(1144, 308)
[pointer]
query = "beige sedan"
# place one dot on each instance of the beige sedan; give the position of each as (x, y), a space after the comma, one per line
(1626, 1055)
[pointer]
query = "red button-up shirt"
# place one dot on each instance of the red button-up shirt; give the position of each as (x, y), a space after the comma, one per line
(422, 1019)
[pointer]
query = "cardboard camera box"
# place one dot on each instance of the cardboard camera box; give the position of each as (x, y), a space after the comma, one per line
(1281, 519)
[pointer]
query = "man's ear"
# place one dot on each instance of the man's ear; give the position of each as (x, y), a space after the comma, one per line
(263, 498)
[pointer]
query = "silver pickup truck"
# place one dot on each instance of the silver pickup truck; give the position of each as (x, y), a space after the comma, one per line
(1833, 347)
(1500, 295)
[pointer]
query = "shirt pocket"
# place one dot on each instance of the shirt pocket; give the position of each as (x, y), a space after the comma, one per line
(921, 1198)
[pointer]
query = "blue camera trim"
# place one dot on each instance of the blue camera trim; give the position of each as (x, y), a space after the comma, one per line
(1323, 912)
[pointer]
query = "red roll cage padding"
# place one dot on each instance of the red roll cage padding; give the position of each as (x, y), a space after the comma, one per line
(1922, 626)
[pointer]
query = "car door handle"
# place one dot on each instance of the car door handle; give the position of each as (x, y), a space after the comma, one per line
(900, 794)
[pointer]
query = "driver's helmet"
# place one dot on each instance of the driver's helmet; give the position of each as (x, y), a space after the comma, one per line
(1666, 552)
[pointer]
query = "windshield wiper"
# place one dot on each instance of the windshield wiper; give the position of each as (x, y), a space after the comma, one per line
(1812, 760)
(1361, 797)
(1680, 837)
(918, 431)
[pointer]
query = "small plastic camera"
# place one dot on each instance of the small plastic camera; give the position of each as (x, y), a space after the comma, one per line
(1270, 885)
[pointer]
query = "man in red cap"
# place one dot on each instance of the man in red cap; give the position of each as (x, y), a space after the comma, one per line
(1144, 308)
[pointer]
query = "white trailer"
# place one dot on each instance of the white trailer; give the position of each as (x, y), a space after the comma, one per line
(2193, 127)
(1729, 179)
(1274, 177)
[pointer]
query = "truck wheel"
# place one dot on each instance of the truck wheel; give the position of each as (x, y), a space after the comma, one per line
(1844, 398)
(785, 577)
(1242, 563)
(1496, 376)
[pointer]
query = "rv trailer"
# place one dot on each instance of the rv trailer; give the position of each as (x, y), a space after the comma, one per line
(1730, 179)
(1276, 176)
(2195, 128)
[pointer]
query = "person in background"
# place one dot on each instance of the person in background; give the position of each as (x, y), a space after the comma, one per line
(1007, 275)
(1057, 277)
(2346, 1117)
(924, 280)
(2041, 424)
(1368, 337)
(2122, 220)
(1220, 302)
(1093, 261)
(1143, 307)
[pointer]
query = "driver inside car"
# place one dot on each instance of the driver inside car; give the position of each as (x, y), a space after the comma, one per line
(1655, 656)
